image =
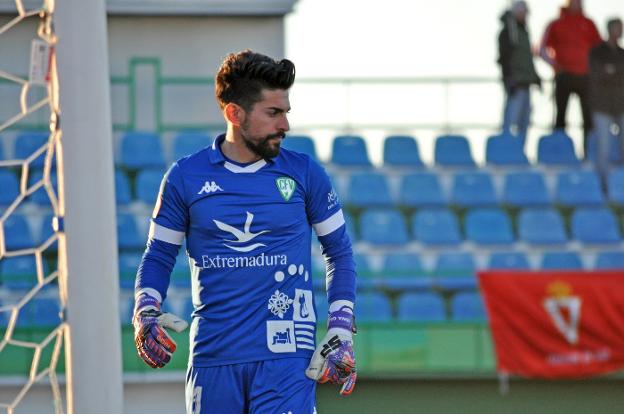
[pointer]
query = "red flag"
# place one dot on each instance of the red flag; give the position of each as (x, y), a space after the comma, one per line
(556, 324)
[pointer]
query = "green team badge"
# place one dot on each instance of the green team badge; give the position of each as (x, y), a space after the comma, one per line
(286, 187)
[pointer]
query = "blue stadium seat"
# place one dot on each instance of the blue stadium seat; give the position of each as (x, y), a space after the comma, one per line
(453, 151)
(40, 197)
(18, 272)
(128, 266)
(367, 278)
(615, 153)
(508, 261)
(578, 188)
(350, 151)
(595, 226)
(525, 189)
(421, 307)
(404, 271)
(473, 189)
(10, 187)
(46, 231)
(27, 143)
(373, 307)
(505, 150)
(401, 151)
(123, 195)
(488, 226)
(141, 150)
(561, 261)
(17, 233)
(421, 189)
(455, 271)
(148, 185)
(301, 143)
(368, 189)
(541, 226)
(128, 237)
(40, 312)
(6, 314)
(615, 186)
(350, 223)
(610, 260)
(188, 143)
(383, 226)
(556, 149)
(435, 227)
(467, 307)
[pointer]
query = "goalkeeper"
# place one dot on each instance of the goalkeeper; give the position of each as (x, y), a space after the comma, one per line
(246, 209)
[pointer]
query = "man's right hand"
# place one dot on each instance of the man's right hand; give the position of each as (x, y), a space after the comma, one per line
(153, 343)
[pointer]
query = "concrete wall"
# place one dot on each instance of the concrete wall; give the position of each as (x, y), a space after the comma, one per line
(187, 46)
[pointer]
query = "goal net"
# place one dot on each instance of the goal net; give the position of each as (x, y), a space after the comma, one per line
(32, 301)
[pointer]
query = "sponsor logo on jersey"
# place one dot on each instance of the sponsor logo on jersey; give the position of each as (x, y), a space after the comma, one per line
(210, 187)
(286, 187)
(261, 260)
(242, 237)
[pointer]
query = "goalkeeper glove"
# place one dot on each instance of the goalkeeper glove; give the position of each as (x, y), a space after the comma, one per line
(152, 341)
(334, 359)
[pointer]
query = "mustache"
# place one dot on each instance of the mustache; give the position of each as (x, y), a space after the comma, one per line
(275, 135)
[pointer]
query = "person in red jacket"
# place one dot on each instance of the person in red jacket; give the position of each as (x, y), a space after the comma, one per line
(565, 46)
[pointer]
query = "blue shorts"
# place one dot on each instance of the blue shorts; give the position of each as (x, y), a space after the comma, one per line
(277, 386)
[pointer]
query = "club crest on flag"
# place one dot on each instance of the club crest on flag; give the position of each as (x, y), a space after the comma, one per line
(286, 187)
(564, 310)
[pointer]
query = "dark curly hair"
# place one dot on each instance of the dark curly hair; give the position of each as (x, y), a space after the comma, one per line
(243, 75)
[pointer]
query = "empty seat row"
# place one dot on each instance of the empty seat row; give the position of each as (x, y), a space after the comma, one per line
(428, 307)
(38, 312)
(415, 190)
(470, 189)
(139, 150)
(485, 226)
(24, 145)
(555, 149)
(20, 234)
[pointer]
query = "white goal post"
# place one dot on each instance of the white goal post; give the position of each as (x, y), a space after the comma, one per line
(93, 335)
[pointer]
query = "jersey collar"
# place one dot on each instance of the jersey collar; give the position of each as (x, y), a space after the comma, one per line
(216, 157)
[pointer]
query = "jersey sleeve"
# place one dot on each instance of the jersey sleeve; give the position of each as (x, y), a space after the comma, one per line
(166, 234)
(325, 214)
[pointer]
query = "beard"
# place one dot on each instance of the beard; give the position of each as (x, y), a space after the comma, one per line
(262, 146)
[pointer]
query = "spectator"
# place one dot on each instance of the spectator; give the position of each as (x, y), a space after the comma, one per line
(565, 46)
(516, 61)
(606, 82)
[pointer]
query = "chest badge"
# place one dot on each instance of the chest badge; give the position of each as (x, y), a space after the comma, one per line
(286, 187)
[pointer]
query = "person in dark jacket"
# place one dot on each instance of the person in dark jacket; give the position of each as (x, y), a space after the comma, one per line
(565, 46)
(518, 70)
(606, 77)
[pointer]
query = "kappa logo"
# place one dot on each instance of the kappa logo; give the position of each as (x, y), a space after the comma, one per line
(242, 237)
(210, 187)
(564, 310)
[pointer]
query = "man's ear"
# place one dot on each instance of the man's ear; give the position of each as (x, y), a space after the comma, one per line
(234, 114)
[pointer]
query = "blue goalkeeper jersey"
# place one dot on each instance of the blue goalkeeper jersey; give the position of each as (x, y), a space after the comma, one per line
(248, 238)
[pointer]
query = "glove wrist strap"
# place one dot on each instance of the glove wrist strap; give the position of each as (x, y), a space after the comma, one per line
(146, 302)
(342, 319)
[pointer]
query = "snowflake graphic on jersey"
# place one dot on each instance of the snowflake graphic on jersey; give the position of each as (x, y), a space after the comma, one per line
(279, 303)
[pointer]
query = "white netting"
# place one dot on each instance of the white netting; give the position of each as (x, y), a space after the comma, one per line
(31, 302)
